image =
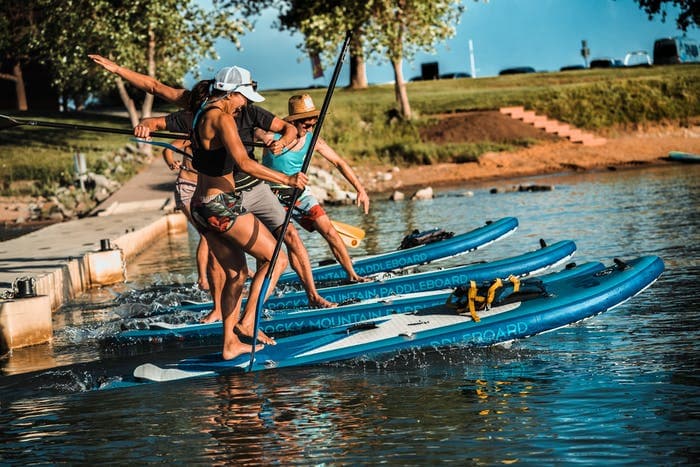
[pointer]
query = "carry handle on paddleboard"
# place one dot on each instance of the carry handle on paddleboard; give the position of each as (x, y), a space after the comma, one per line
(297, 192)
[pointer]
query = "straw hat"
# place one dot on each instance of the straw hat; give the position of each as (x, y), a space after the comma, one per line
(300, 107)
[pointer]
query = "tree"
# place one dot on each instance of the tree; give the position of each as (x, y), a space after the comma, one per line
(17, 25)
(166, 38)
(324, 25)
(399, 28)
(689, 11)
(171, 36)
(320, 37)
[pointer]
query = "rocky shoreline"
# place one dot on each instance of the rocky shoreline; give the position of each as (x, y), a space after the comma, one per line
(631, 149)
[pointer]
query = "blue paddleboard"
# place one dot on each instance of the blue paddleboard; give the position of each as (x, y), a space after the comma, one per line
(514, 315)
(421, 254)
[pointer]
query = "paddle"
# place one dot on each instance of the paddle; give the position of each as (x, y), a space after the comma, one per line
(296, 193)
(9, 122)
(351, 235)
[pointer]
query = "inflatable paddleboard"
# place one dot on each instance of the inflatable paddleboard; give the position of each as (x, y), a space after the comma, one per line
(513, 316)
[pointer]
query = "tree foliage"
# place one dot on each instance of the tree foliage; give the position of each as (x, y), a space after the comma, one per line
(18, 23)
(391, 30)
(163, 37)
(689, 14)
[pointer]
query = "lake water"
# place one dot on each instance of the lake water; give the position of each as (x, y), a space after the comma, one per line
(621, 388)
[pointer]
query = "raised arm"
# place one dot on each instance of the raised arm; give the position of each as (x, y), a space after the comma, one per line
(145, 83)
(331, 156)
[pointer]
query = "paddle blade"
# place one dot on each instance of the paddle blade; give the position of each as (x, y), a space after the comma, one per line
(351, 242)
(349, 230)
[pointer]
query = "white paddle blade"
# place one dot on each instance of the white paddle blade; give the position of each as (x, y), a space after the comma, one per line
(151, 372)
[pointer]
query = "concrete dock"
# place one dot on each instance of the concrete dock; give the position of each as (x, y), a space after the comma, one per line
(42, 270)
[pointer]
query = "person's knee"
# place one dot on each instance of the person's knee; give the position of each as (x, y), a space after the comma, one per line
(237, 277)
(292, 238)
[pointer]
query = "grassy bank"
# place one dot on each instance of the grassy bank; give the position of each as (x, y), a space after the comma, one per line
(362, 125)
(35, 160)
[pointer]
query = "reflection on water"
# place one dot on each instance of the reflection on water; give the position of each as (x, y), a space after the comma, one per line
(619, 388)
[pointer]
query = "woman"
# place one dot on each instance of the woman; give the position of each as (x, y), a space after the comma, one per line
(216, 208)
(307, 210)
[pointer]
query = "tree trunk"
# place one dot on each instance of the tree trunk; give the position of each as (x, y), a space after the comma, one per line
(147, 106)
(400, 90)
(128, 103)
(358, 67)
(19, 88)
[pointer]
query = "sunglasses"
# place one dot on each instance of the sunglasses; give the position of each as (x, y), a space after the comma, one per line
(252, 84)
(308, 122)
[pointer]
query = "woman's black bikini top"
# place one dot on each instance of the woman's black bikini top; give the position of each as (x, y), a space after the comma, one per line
(211, 162)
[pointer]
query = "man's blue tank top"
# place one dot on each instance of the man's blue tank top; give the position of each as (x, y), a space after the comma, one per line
(289, 162)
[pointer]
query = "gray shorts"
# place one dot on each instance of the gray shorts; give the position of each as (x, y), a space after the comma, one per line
(184, 190)
(264, 204)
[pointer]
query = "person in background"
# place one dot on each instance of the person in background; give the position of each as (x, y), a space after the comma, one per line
(185, 184)
(256, 196)
(307, 210)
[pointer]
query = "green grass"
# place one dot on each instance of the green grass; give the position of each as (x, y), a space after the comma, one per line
(45, 155)
(362, 124)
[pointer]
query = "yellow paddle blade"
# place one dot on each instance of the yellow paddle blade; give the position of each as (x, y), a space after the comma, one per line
(351, 242)
(349, 230)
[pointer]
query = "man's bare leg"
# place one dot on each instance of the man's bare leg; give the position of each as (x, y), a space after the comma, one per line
(300, 262)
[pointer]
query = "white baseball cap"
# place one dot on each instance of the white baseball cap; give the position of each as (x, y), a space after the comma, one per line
(237, 79)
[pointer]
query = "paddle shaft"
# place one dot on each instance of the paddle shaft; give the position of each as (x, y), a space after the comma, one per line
(99, 129)
(297, 192)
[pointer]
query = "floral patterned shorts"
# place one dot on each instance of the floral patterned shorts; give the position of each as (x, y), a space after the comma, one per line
(219, 213)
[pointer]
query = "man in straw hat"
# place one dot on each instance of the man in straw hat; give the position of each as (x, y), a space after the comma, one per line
(307, 210)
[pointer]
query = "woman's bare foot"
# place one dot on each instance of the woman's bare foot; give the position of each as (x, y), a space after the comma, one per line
(211, 317)
(237, 348)
(262, 337)
(360, 279)
(320, 302)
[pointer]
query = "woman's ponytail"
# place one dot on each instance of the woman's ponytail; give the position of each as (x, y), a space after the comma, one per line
(199, 93)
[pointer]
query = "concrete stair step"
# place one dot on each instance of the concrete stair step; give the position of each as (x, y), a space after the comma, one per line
(551, 126)
(510, 110)
(528, 116)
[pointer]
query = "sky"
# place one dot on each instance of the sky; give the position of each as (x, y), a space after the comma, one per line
(543, 34)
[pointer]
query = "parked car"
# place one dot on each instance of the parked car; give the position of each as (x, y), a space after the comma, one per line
(572, 67)
(455, 75)
(517, 70)
(605, 63)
